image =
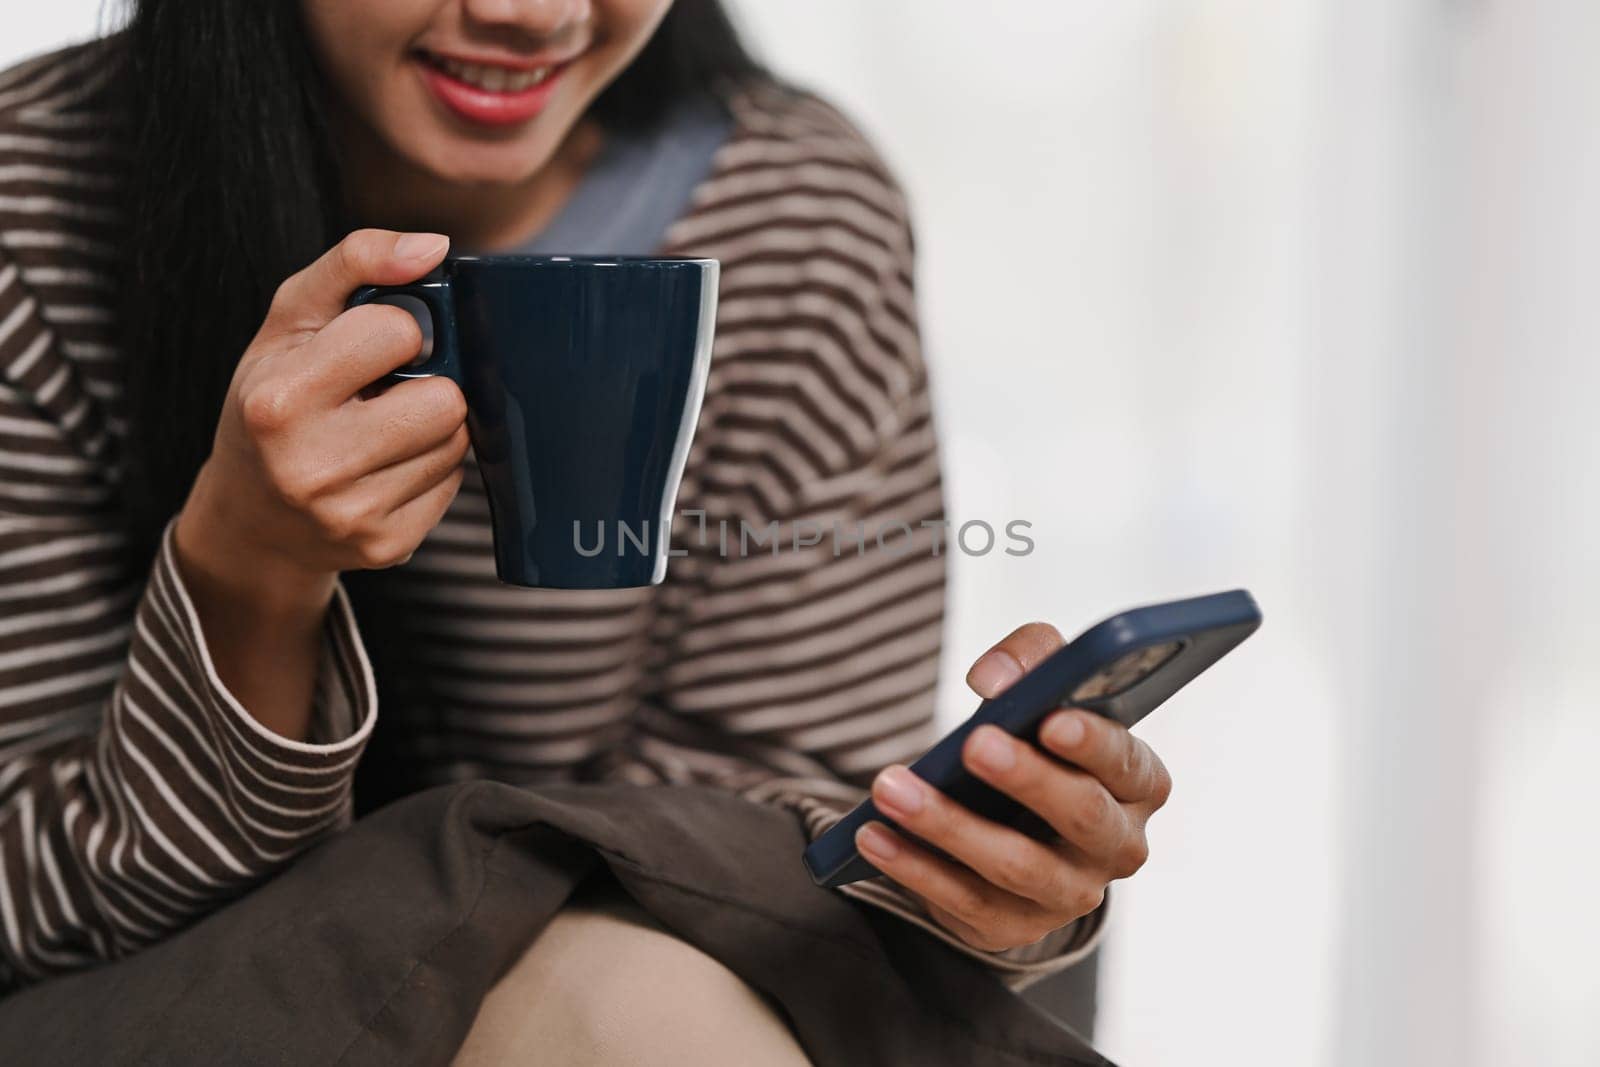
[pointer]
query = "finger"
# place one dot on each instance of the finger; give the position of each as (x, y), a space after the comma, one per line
(410, 523)
(995, 918)
(357, 348)
(1129, 768)
(1017, 654)
(361, 438)
(400, 483)
(405, 420)
(314, 297)
(422, 513)
(1075, 803)
(949, 921)
(1004, 857)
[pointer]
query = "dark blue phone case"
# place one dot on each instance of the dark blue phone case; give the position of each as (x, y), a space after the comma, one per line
(1122, 668)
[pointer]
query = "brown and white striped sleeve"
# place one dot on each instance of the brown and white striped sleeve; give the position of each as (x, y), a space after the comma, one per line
(135, 792)
(799, 638)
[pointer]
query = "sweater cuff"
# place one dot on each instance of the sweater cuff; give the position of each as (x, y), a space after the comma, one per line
(821, 804)
(296, 787)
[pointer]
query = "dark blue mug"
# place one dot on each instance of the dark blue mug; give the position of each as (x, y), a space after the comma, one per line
(583, 377)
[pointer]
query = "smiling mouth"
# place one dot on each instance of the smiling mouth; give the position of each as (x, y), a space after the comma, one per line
(490, 94)
(487, 78)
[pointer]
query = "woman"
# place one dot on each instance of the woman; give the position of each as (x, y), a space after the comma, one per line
(185, 208)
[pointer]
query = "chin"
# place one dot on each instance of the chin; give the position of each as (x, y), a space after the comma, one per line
(475, 158)
(479, 165)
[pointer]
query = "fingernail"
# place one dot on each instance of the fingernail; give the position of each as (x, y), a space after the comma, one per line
(993, 672)
(899, 790)
(1065, 730)
(992, 749)
(419, 245)
(874, 840)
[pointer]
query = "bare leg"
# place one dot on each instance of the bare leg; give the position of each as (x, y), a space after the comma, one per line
(604, 984)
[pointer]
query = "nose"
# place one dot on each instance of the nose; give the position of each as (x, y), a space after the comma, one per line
(540, 18)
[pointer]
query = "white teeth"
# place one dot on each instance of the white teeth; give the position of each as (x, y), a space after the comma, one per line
(492, 79)
(527, 79)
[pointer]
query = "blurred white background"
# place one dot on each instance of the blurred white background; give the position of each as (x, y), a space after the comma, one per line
(1295, 295)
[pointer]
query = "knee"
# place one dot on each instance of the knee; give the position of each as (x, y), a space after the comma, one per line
(605, 988)
(629, 986)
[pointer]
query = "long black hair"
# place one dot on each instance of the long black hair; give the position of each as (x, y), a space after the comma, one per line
(231, 185)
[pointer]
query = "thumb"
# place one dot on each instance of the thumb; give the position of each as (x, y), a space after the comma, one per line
(313, 297)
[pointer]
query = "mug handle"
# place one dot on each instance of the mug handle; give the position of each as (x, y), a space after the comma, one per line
(436, 297)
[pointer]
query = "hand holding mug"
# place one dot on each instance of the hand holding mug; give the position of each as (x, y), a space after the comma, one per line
(307, 475)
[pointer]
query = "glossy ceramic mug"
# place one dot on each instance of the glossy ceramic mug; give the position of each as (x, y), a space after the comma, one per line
(583, 377)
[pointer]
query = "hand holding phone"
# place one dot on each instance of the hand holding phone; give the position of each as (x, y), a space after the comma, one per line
(1121, 669)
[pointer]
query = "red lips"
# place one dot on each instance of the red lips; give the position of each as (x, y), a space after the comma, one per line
(487, 107)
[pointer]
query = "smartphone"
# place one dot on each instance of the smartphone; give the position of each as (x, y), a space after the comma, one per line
(1122, 668)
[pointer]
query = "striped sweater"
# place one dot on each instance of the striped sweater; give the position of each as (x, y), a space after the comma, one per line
(136, 794)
